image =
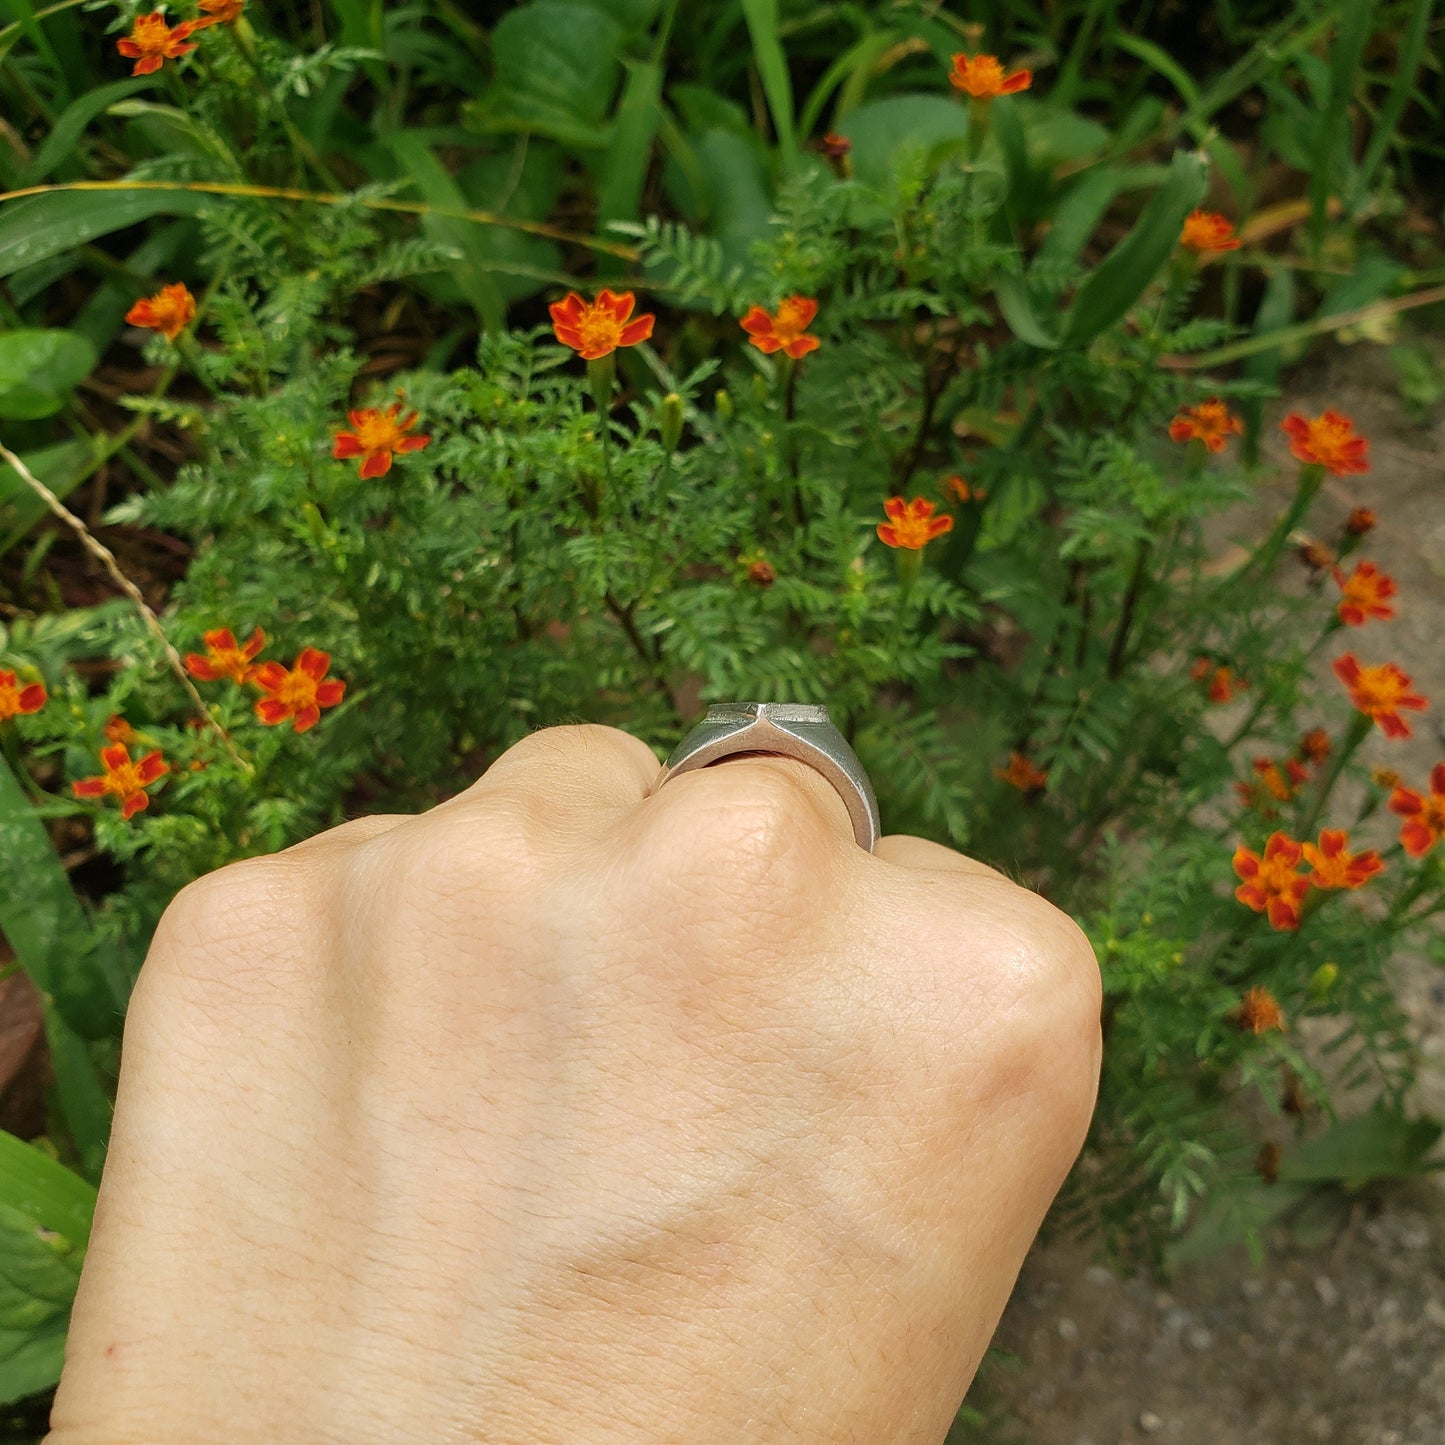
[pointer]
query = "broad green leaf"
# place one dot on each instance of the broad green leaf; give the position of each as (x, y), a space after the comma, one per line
(1354, 1152)
(43, 920)
(624, 166)
(84, 1101)
(734, 205)
(772, 64)
(633, 16)
(1120, 279)
(472, 271)
(38, 369)
(61, 467)
(37, 227)
(1356, 21)
(557, 64)
(1077, 217)
(882, 131)
(1018, 310)
(71, 124)
(45, 1216)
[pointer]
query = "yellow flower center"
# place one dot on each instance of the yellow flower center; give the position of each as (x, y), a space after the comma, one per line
(152, 35)
(1377, 691)
(296, 691)
(599, 329)
(1329, 437)
(791, 320)
(378, 432)
(124, 780)
(984, 75)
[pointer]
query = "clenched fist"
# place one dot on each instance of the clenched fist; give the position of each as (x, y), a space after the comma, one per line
(573, 1111)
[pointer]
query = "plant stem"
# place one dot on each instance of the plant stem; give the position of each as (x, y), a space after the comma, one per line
(1126, 613)
(1357, 732)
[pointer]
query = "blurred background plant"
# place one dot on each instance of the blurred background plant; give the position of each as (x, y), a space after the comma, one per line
(275, 336)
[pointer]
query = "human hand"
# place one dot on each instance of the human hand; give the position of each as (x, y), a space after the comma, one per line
(565, 1112)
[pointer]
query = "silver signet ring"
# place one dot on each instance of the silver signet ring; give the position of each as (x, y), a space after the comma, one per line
(796, 730)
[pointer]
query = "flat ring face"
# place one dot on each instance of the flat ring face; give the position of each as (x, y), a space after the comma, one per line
(796, 730)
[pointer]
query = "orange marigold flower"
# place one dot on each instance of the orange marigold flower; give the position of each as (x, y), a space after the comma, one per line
(1315, 745)
(1259, 1012)
(1022, 774)
(1208, 231)
(783, 331)
(963, 491)
(594, 329)
(983, 77)
(1360, 521)
(375, 436)
(15, 699)
(225, 657)
(219, 12)
(1222, 684)
(169, 311)
(298, 692)
(912, 524)
(1211, 422)
(1380, 693)
(1424, 824)
(152, 42)
(1328, 441)
(118, 730)
(127, 780)
(1272, 885)
(762, 572)
(1363, 594)
(1334, 867)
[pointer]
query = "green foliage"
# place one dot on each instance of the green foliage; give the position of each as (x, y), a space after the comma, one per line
(370, 202)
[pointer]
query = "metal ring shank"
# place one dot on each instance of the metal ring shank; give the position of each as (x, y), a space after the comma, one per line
(793, 730)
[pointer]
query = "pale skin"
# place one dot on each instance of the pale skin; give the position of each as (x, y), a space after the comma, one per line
(577, 1111)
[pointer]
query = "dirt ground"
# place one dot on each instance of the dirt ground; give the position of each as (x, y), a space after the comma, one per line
(1340, 1338)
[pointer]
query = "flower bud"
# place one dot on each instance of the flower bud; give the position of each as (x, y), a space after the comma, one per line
(669, 422)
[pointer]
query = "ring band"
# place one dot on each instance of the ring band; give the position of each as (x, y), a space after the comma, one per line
(796, 730)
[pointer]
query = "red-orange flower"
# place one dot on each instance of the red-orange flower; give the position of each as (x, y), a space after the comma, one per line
(783, 331)
(1315, 745)
(1424, 824)
(1208, 231)
(118, 730)
(219, 12)
(1334, 867)
(1211, 422)
(1259, 1012)
(225, 657)
(375, 436)
(1363, 594)
(127, 780)
(1272, 885)
(1380, 693)
(912, 524)
(169, 311)
(1328, 441)
(1022, 774)
(1360, 521)
(15, 699)
(983, 77)
(963, 491)
(1222, 684)
(1272, 781)
(594, 329)
(298, 692)
(152, 42)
